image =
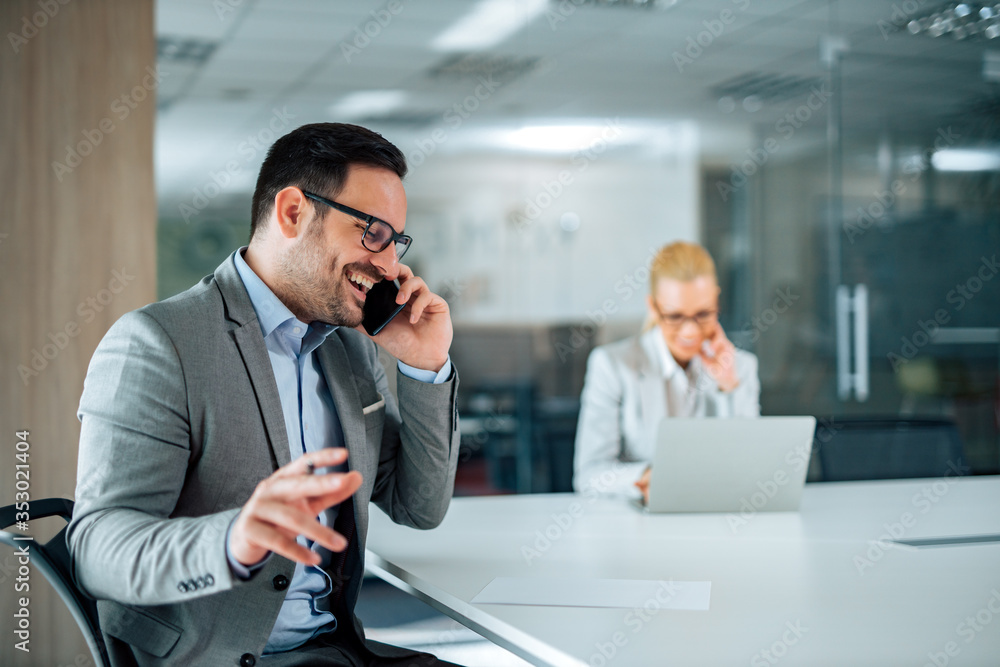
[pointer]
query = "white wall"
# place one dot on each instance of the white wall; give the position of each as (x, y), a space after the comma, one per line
(487, 231)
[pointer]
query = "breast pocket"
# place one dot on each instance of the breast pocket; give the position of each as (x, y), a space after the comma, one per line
(374, 415)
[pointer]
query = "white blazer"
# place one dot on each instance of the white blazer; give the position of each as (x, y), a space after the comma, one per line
(629, 387)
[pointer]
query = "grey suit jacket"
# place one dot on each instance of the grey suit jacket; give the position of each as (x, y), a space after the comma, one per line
(623, 401)
(180, 420)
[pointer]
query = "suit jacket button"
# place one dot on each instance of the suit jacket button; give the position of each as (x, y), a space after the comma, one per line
(247, 660)
(280, 582)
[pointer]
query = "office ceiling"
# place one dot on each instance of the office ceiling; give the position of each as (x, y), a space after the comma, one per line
(235, 67)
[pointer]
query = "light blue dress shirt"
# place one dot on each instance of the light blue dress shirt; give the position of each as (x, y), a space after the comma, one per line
(311, 423)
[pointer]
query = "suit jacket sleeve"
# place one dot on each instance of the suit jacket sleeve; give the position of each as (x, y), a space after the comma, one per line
(134, 453)
(746, 397)
(419, 452)
(599, 462)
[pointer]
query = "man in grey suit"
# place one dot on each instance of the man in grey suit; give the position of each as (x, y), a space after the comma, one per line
(233, 435)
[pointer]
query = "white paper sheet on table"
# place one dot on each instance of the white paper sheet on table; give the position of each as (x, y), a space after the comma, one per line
(581, 592)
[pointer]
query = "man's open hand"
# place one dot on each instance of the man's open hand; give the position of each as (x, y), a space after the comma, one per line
(286, 504)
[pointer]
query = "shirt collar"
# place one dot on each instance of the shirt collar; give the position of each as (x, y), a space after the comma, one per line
(271, 312)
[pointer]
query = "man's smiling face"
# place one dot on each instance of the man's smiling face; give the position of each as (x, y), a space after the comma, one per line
(327, 272)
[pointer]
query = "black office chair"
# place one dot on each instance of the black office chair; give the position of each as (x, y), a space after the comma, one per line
(52, 560)
(860, 448)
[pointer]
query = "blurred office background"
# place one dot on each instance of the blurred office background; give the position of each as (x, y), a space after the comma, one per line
(813, 147)
(839, 158)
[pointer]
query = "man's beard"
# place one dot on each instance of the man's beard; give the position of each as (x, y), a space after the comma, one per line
(310, 291)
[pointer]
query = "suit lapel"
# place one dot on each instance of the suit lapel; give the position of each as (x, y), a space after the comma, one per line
(650, 376)
(342, 382)
(250, 342)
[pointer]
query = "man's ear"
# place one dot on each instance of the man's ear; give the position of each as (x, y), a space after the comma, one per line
(291, 210)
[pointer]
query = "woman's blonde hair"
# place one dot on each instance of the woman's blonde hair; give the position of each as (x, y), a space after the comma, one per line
(679, 261)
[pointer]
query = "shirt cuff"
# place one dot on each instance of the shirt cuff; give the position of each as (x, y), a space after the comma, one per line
(429, 377)
(237, 568)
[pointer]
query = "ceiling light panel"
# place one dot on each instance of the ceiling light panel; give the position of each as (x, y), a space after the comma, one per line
(488, 23)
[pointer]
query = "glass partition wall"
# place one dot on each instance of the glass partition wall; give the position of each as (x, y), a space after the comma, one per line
(863, 226)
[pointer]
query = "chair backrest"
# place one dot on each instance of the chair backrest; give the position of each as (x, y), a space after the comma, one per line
(860, 448)
(52, 560)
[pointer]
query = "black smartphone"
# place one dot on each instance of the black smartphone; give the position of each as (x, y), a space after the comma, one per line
(380, 306)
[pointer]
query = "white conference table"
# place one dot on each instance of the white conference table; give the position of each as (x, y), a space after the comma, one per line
(824, 586)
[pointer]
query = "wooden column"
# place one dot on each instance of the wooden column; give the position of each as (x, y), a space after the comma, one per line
(77, 248)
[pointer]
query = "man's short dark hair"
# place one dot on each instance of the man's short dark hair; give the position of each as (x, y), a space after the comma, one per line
(316, 157)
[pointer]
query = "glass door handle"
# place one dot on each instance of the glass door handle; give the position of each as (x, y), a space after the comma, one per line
(856, 305)
(860, 302)
(844, 382)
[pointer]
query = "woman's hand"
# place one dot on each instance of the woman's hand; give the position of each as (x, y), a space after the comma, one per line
(643, 485)
(720, 360)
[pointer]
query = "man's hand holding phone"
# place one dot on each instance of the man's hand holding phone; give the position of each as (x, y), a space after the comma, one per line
(420, 335)
(719, 357)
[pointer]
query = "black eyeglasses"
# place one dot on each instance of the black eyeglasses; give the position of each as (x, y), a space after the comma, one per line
(378, 234)
(703, 318)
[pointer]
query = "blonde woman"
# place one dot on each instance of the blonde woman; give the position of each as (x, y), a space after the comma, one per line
(681, 365)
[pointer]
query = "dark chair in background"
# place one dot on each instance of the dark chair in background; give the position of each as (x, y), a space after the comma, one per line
(862, 448)
(52, 560)
(525, 439)
(497, 422)
(519, 401)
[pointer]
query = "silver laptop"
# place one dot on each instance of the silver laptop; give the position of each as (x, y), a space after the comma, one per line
(730, 465)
